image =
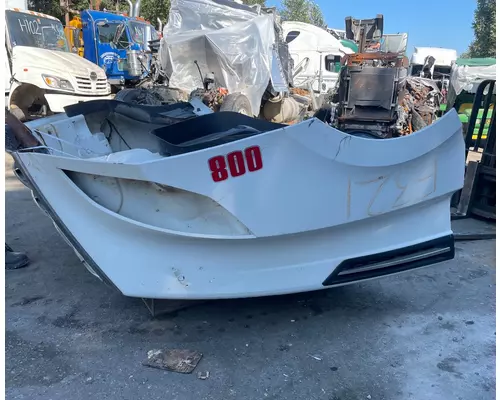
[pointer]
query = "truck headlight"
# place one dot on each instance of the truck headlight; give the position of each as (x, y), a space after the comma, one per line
(58, 83)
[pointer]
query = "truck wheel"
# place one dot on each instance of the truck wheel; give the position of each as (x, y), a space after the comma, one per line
(237, 102)
(138, 96)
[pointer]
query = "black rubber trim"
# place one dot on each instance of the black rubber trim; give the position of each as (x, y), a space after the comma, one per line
(120, 107)
(46, 206)
(365, 261)
(475, 236)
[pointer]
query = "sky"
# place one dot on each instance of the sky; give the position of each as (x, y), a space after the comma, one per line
(446, 23)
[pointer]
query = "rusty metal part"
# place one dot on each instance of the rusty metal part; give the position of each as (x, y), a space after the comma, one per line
(300, 91)
(212, 98)
(419, 104)
(361, 58)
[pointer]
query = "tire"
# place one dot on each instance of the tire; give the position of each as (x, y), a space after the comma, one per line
(237, 102)
(138, 96)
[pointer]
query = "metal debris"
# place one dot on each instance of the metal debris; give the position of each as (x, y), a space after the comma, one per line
(300, 91)
(212, 98)
(176, 360)
(418, 105)
(419, 101)
(316, 357)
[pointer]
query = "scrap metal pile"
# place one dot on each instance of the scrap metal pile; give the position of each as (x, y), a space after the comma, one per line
(233, 57)
(418, 106)
(219, 44)
(374, 96)
(211, 97)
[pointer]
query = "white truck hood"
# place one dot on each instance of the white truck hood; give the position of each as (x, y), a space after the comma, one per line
(58, 62)
(29, 64)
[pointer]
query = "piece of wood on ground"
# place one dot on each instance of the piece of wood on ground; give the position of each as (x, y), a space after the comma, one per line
(176, 360)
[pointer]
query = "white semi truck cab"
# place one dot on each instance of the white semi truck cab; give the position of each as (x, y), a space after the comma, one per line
(42, 75)
(432, 62)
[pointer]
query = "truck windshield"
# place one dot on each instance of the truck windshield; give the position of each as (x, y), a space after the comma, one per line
(139, 32)
(107, 32)
(33, 31)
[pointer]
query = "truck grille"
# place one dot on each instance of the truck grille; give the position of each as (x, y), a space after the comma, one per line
(86, 85)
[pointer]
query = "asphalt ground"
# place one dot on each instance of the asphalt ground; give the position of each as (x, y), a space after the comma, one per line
(426, 334)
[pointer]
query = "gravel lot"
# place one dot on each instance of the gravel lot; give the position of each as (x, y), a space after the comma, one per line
(427, 334)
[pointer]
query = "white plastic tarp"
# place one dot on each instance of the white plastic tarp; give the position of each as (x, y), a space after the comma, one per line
(233, 42)
(467, 77)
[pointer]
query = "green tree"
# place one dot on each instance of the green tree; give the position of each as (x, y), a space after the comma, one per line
(295, 10)
(150, 9)
(302, 11)
(316, 16)
(484, 25)
(153, 9)
(49, 7)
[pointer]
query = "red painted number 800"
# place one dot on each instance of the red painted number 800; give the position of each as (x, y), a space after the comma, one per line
(236, 163)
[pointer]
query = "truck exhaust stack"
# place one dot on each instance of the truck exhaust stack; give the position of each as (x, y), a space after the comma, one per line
(137, 8)
(131, 8)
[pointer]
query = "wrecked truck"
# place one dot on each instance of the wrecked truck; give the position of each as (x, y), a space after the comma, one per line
(375, 97)
(231, 56)
(180, 202)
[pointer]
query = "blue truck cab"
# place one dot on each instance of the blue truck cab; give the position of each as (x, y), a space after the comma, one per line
(119, 44)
